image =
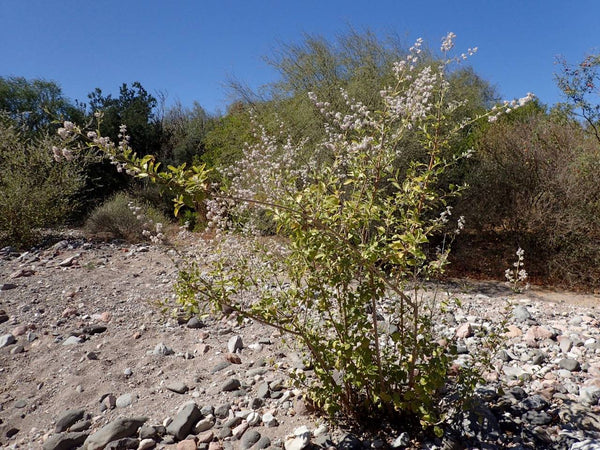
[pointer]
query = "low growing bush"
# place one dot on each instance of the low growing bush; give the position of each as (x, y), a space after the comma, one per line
(125, 218)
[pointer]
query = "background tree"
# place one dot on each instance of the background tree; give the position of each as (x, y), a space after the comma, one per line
(137, 109)
(580, 84)
(35, 104)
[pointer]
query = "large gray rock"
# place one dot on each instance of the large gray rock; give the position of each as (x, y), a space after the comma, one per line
(117, 429)
(65, 441)
(186, 418)
(68, 418)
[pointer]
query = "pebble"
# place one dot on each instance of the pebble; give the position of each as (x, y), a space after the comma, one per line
(162, 350)
(188, 415)
(569, 364)
(117, 429)
(235, 344)
(249, 438)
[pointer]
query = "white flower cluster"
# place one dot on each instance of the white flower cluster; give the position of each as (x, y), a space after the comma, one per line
(448, 42)
(517, 276)
(60, 154)
(152, 231)
(217, 214)
(508, 106)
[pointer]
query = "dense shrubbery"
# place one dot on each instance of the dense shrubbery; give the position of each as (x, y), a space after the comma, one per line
(532, 185)
(35, 192)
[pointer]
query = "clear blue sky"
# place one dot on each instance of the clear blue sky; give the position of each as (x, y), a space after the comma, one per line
(190, 48)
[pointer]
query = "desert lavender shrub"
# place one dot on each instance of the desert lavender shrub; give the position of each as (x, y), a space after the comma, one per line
(346, 276)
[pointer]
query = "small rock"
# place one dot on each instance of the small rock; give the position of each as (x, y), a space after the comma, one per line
(249, 438)
(269, 420)
(146, 444)
(125, 400)
(403, 440)
(67, 419)
(233, 358)
(263, 442)
(109, 401)
(235, 343)
(125, 443)
(204, 425)
(253, 418)
(521, 313)
(297, 443)
(188, 444)
(162, 350)
(17, 349)
(222, 411)
(569, 364)
(186, 418)
(178, 386)
(195, 323)
(262, 391)
(238, 431)
(72, 340)
(65, 441)
(232, 384)
(464, 331)
(589, 395)
(513, 331)
(69, 261)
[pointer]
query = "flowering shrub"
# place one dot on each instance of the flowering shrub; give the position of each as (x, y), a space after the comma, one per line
(516, 277)
(346, 277)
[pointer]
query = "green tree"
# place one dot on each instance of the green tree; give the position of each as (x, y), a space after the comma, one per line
(35, 104)
(135, 108)
(185, 133)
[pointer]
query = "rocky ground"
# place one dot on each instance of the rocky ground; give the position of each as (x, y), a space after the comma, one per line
(89, 360)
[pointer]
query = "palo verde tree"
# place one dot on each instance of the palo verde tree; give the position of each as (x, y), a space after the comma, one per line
(35, 104)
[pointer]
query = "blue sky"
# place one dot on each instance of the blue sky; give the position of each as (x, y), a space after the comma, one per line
(189, 49)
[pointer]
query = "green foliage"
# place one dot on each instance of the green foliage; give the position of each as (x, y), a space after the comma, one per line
(186, 132)
(35, 192)
(226, 140)
(35, 104)
(346, 277)
(533, 185)
(124, 217)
